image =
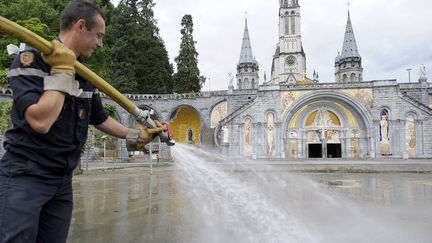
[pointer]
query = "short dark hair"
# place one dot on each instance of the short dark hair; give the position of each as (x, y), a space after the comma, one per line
(79, 9)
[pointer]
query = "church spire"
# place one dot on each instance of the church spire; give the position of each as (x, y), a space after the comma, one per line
(247, 68)
(348, 63)
(246, 55)
(349, 48)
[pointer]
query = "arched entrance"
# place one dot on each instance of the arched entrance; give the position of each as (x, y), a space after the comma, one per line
(186, 125)
(323, 128)
(327, 125)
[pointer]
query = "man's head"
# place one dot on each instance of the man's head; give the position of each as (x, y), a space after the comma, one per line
(82, 27)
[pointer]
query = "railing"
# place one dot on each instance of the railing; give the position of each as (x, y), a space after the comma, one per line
(417, 103)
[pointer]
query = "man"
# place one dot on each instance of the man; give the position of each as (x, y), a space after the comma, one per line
(52, 109)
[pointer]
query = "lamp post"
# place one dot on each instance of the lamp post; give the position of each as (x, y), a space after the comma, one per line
(151, 157)
(409, 75)
(104, 137)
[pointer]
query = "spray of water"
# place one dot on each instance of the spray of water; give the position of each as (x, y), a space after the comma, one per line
(232, 201)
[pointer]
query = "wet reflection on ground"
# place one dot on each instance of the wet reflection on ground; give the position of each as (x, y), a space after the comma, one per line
(133, 206)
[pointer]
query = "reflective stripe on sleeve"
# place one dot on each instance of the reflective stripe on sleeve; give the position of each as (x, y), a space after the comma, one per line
(26, 72)
(86, 95)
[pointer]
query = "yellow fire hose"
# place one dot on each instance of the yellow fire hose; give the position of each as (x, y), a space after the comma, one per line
(34, 40)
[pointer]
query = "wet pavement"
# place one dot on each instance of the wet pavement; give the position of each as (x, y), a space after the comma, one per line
(191, 204)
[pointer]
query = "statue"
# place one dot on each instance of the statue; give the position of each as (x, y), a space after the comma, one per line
(270, 134)
(225, 134)
(384, 129)
(422, 71)
(384, 132)
(231, 85)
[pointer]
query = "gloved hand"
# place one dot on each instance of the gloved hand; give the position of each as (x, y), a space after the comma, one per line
(61, 59)
(136, 139)
(62, 78)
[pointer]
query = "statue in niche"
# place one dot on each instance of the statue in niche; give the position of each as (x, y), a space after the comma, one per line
(410, 136)
(248, 137)
(225, 134)
(384, 134)
(384, 129)
(270, 134)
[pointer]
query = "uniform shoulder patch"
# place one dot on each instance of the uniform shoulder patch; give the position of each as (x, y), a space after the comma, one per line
(27, 58)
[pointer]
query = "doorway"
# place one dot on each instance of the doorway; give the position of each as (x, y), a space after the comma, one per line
(315, 150)
(334, 150)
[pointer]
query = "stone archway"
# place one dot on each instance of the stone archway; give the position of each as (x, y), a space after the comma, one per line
(327, 125)
(186, 125)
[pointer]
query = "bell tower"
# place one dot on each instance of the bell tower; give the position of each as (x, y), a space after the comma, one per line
(292, 59)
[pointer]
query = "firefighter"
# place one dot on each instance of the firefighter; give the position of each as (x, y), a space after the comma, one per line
(52, 109)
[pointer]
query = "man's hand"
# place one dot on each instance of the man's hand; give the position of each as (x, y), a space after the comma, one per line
(61, 59)
(136, 139)
(62, 62)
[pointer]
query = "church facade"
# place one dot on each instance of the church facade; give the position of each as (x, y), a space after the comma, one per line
(293, 117)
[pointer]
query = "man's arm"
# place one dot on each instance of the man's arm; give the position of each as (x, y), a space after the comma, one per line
(42, 115)
(113, 128)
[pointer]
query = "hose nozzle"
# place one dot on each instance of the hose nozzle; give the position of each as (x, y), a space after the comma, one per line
(144, 118)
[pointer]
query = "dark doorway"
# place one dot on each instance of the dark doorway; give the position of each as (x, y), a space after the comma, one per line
(190, 136)
(315, 150)
(334, 150)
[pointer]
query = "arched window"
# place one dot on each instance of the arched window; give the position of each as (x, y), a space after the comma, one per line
(246, 84)
(286, 20)
(353, 77)
(344, 78)
(293, 24)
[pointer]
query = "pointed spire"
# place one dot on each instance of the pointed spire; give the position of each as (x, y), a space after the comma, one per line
(246, 55)
(349, 46)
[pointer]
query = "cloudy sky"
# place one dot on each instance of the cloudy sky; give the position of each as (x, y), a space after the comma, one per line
(391, 36)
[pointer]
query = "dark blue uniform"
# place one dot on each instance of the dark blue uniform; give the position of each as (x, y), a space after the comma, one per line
(36, 170)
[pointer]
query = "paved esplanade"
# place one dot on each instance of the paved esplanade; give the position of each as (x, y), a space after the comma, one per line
(173, 203)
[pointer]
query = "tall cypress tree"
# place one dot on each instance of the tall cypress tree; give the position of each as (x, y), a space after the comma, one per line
(187, 78)
(140, 61)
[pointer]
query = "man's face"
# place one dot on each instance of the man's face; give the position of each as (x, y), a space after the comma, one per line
(91, 40)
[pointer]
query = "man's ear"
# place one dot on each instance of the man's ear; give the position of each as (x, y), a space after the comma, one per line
(80, 25)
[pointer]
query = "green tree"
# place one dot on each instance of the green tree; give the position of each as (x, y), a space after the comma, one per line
(187, 79)
(33, 24)
(112, 110)
(5, 118)
(140, 61)
(43, 18)
(3, 77)
(37, 15)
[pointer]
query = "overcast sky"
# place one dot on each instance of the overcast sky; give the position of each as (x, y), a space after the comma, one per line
(391, 35)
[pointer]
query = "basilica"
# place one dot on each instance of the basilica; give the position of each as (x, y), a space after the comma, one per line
(291, 116)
